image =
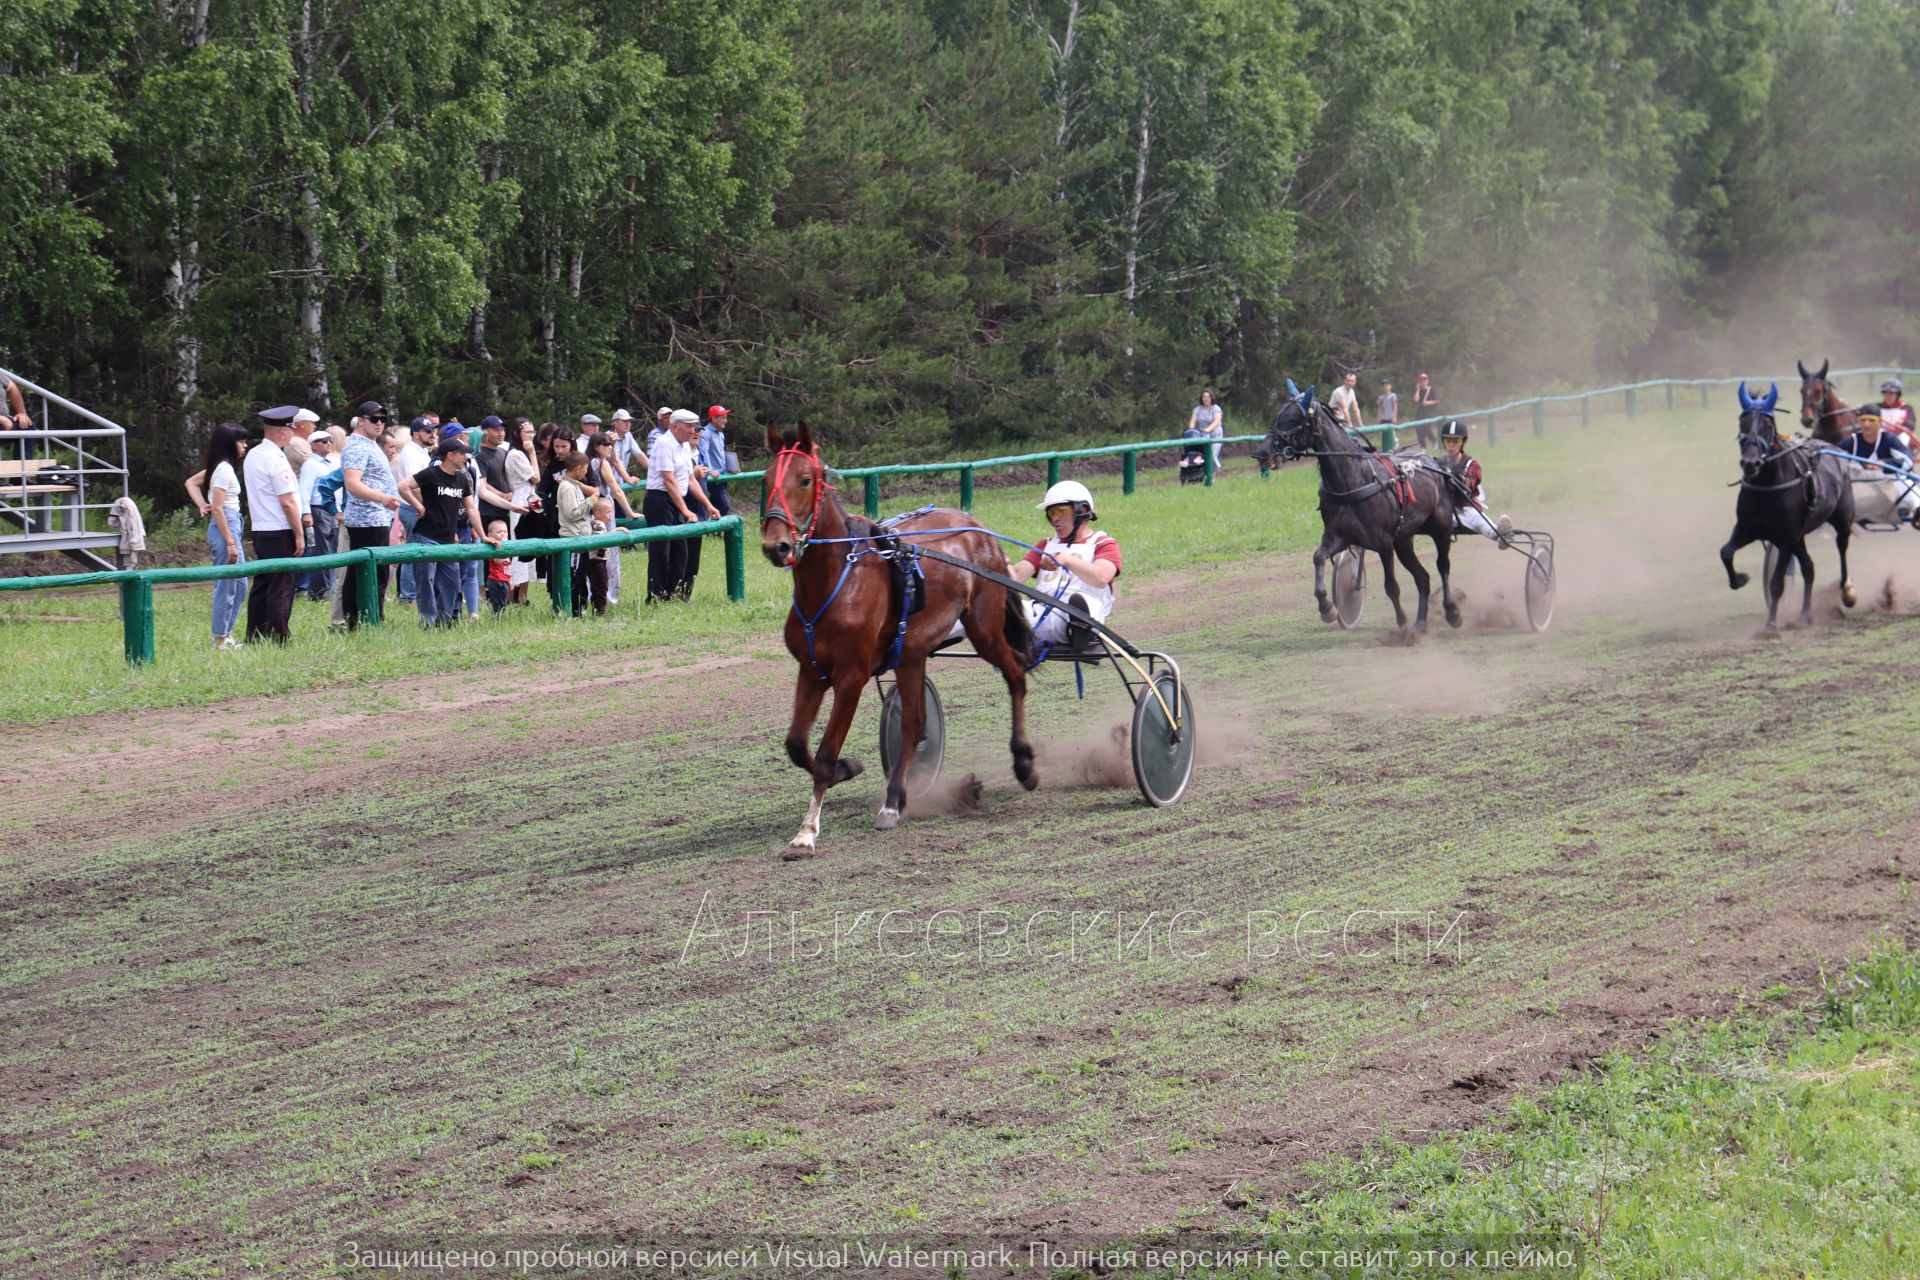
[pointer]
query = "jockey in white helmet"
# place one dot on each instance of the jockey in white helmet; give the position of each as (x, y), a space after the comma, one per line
(1078, 566)
(1472, 514)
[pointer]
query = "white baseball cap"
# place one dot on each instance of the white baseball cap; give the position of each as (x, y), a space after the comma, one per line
(306, 415)
(621, 415)
(684, 416)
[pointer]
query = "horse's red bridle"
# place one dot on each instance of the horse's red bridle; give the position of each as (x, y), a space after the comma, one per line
(777, 507)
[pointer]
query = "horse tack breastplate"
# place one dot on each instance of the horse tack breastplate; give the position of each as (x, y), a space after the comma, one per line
(1397, 479)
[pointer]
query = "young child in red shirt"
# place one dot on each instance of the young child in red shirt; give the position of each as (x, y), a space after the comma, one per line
(499, 572)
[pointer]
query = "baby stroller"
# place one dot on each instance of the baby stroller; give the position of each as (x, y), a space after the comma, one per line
(1193, 456)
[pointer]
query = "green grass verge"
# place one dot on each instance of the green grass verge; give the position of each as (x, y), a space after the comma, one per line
(1780, 1145)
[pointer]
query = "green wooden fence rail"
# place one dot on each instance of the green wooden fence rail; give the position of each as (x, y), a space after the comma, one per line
(1536, 406)
(136, 585)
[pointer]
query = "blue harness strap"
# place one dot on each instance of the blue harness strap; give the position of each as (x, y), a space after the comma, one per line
(808, 624)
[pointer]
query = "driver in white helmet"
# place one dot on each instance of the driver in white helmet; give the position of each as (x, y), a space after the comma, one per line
(1896, 415)
(1078, 564)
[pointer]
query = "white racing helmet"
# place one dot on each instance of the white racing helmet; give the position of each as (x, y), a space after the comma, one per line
(1070, 491)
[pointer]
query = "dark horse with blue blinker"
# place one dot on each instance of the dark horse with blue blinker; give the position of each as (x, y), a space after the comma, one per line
(1370, 500)
(1787, 490)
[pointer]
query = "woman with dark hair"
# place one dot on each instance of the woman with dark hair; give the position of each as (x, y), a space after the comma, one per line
(215, 490)
(603, 472)
(523, 468)
(1206, 418)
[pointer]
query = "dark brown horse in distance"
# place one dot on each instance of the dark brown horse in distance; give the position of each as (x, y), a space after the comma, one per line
(848, 610)
(1822, 412)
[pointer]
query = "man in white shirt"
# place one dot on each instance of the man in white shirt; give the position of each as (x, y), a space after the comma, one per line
(670, 482)
(273, 514)
(1345, 403)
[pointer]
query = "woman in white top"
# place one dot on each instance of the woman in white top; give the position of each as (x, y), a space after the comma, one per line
(226, 527)
(1206, 416)
(523, 470)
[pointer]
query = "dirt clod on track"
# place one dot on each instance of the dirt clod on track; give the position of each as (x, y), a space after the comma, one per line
(277, 971)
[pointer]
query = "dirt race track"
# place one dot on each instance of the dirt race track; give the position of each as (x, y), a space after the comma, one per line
(484, 958)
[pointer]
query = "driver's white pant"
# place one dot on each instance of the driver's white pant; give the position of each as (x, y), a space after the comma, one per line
(1898, 496)
(1474, 519)
(1050, 625)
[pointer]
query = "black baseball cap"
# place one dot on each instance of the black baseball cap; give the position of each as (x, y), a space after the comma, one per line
(455, 444)
(371, 409)
(491, 421)
(423, 424)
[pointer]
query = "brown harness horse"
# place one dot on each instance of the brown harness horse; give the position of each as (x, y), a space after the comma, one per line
(1822, 412)
(846, 626)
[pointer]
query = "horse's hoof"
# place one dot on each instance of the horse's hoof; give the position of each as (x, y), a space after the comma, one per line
(1848, 596)
(1738, 581)
(847, 768)
(1453, 616)
(1030, 780)
(886, 820)
(1328, 613)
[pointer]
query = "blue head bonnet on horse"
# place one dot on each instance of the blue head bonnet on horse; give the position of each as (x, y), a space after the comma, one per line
(1758, 445)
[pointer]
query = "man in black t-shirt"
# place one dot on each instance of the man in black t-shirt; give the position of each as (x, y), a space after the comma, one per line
(443, 495)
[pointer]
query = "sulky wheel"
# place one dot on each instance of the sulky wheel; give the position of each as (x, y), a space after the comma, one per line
(1350, 586)
(1163, 758)
(925, 769)
(1540, 589)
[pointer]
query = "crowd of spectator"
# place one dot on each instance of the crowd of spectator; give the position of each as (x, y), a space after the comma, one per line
(302, 488)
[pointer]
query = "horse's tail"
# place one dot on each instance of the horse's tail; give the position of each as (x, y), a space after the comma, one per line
(1015, 626)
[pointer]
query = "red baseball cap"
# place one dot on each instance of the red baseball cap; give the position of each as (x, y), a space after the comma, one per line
(718, 411)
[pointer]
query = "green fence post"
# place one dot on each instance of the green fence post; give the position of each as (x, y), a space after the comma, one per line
(1669, 395)
(560, 582)
(1053, 471)
(1703, 397)
(736, 540)
(366, 591)
(1539, 417)
(873, 497)
(1129, 470)
(1265, 470)
(136, 613)
(1633, 408)
(1586, 411)
(966, 489)
(1207, 454)
(1493, 428)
